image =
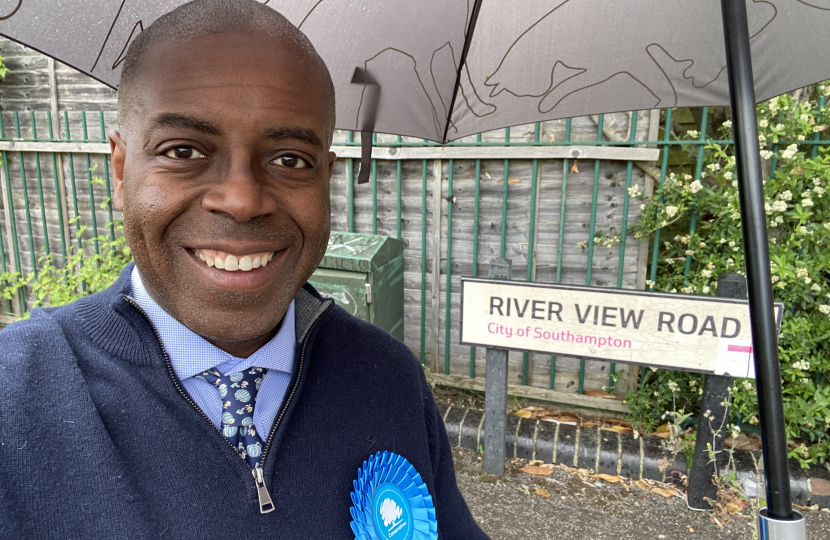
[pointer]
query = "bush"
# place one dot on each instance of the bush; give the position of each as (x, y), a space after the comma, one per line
(798, 209)
(81, 274)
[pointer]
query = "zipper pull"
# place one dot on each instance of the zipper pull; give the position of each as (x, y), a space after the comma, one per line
(265, 503)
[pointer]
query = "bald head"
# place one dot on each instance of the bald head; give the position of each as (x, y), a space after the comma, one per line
(201, 18)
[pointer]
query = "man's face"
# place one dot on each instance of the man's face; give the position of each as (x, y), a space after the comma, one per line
(224, 183)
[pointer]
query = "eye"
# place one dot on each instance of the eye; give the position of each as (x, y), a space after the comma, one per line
(291, 161)
(184, 152)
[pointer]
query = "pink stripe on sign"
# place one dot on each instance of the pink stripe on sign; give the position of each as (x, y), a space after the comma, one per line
(739, 348)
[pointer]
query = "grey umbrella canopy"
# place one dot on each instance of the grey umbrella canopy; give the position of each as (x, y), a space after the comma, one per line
(395, 63)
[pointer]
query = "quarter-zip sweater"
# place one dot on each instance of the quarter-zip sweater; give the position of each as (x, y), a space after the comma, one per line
(98, 438)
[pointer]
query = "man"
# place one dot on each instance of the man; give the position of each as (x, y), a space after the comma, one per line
(210, 393)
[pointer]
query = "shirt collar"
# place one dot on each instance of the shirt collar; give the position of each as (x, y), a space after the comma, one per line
(191, 354)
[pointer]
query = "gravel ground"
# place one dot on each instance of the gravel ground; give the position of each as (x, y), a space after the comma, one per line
(508, 508)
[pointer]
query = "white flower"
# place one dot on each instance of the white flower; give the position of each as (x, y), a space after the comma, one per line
(816, 287)
(779, 206)
(802, 230)
(786, 195)
(800, 137)
(761, 138)
(801, 272)
(727, 124)
(824, 308)
(818, 190)
(642, 207)
(763, 123)
(693, 133)
(766, 154)
(731, 243)
(703, 244)
(713, 167)
(705, 289)
(806, 194)
(789, 152)
(768, 208)
(779, 219)
(634, 190)
(706, 273)
(671, 211)
(730, 262)
(808, 280)
(722, 240)
(685, 239)
(778, 127)
(727, 175)
(695, 186)
(804, 118)
(806, 203)
(673, 386)
(690, 252)
(748, 385)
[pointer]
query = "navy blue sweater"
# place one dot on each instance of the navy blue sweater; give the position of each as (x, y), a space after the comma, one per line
(98, 439)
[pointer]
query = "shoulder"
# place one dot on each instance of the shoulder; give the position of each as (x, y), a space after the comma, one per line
(363, 341)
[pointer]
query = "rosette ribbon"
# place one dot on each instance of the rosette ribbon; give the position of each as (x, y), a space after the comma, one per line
(391, 502)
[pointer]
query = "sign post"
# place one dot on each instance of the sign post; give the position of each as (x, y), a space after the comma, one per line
(714, 407)
(495, 395)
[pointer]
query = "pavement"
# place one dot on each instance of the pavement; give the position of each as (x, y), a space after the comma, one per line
(580, 507)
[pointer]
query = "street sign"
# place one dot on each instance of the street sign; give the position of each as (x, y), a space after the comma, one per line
(692, 333)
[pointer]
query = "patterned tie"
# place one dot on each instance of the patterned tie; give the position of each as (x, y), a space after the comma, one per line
(238, 393)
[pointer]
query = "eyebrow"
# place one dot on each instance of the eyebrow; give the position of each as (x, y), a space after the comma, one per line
(179, 120)
(296, 133)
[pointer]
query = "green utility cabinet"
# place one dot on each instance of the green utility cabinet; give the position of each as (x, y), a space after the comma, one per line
(363, 274)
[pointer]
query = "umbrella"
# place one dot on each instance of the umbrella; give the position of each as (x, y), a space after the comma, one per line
(445, 69)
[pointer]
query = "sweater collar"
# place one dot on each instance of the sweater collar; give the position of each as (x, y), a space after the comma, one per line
(116, 325)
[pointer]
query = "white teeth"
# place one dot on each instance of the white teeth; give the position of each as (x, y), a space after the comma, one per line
(232, 263)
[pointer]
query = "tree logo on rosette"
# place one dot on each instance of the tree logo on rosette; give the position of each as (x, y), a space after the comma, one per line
(393, 517)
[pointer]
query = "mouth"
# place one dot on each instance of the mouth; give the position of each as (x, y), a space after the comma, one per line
(233, 263)
(238, 271)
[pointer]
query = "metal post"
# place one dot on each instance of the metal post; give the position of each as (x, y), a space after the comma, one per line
(495, 396)
(756, 252)
(714, 408)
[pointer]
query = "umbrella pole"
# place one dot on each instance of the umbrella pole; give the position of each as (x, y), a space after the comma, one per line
(779, 512)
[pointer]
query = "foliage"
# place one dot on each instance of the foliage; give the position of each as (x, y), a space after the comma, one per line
(82, 273)
(798, 209)
(3, 69)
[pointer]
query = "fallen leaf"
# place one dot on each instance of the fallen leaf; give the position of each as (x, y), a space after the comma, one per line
(742, 442)
(600, 394)
(543, 492)
(536, 470)
(642, 484)
(619, 429)
(660, 434)
(523, 413)
(510, 180)
(665, 492)
(691, 529)
(663, 427)
(588, 424)
(616, 422)
(574, 168)
(732, 507)
(609, 478)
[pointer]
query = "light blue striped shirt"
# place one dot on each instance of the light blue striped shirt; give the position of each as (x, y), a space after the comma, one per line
(190, 354)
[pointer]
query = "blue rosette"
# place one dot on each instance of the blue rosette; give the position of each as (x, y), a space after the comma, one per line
(391, 502)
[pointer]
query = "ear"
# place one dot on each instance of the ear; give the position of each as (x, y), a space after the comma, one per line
(332, 156)
(119, 155)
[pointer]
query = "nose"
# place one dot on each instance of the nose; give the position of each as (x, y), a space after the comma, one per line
(240, 193)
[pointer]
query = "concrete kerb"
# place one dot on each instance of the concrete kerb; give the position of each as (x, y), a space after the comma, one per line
(609, 452)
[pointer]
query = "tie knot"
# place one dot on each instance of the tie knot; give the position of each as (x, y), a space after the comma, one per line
(243, 385)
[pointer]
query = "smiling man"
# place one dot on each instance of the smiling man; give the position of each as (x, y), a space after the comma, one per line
(210, 392)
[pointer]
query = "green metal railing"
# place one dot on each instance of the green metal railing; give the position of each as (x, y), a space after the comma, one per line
(27, 231)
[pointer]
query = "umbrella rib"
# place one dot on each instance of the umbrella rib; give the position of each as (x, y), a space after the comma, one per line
(468, 37)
